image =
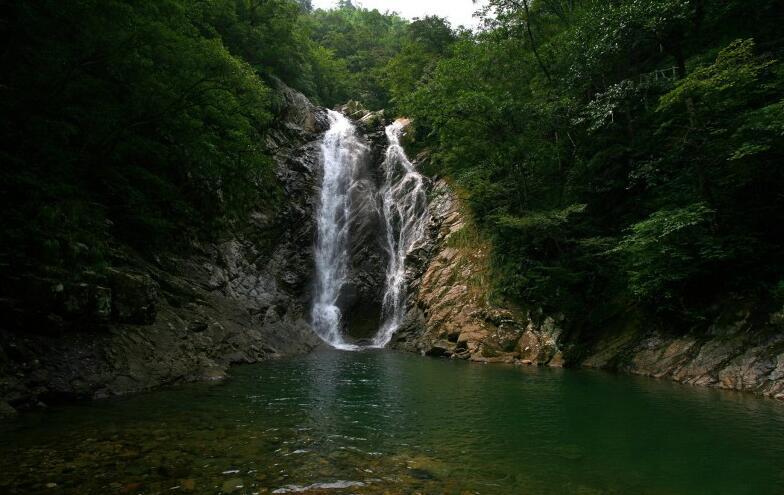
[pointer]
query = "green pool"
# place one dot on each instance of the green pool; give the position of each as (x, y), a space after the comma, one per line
(387, 422)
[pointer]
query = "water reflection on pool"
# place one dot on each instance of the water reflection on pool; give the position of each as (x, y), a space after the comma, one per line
(386, 422)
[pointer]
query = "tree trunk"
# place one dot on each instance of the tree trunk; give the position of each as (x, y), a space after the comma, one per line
(533, 42)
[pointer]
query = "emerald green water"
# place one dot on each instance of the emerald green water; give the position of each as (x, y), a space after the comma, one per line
(385, 422)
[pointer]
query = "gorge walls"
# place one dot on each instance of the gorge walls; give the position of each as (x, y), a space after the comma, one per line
(413, 274)
(176, 317)
(450, 314)
(449, 310)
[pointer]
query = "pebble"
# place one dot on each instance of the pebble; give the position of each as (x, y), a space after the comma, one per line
(132, 487)
(232, 485)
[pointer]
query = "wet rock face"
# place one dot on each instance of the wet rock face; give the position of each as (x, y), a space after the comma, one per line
(299, 114)
(739, 355)
(364, 292)
(361, 298)
(449, 314)
(144, 323)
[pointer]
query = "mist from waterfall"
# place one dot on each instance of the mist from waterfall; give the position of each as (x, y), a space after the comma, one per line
(341, 151)
(405, 214)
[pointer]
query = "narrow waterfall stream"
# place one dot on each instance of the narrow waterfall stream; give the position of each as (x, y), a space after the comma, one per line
(405, 216)
(341, 150)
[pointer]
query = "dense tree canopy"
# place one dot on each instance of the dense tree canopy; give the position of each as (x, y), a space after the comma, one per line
(141, 120)
(120, 118)
(618, 154)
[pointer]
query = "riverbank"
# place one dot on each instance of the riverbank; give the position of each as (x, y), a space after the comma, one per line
(245, 299)
(381, 421)
(452, 315)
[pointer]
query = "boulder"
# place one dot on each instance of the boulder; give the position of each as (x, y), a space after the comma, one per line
(441, 348)
(529, 346)
(6, 410)
(134, 297)
(557, 360)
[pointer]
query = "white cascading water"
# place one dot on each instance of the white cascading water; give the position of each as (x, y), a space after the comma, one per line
(341, 152)
(405, 214)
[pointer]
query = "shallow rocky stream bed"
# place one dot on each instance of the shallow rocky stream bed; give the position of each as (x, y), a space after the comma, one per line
(387, 422)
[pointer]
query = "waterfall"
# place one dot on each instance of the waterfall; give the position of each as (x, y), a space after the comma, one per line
(341, 152)
(405, 214)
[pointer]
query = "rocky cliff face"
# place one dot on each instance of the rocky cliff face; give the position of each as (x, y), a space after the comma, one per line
(449, 315)
(362, 296)
(737, 352)
(246, 298)
(145, 323)
(449, 311)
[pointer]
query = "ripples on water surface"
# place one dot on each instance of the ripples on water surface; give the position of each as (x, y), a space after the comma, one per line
(384, 422)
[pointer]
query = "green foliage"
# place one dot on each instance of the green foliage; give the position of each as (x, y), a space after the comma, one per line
(529, 255)
(622, 151)
(615, 151)
(427, 41)
(365, 40)
(540, 223)
(760, 132)
(139, 128)
(727, 85)
(144, 121)
(668, 248)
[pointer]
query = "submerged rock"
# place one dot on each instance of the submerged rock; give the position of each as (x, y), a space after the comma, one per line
(232, 485)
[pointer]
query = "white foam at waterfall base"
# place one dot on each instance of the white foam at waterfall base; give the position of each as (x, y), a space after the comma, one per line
(341, 152)
(405, 216)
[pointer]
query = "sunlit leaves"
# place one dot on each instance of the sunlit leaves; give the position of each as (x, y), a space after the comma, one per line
(733, 78)
(667, 248)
